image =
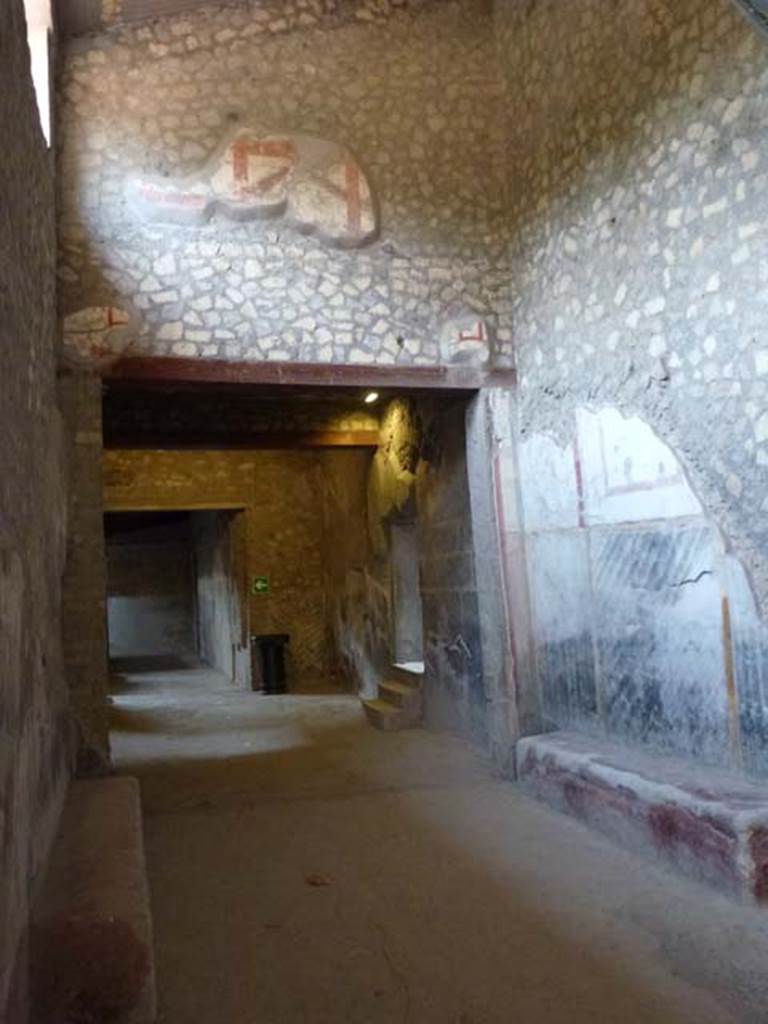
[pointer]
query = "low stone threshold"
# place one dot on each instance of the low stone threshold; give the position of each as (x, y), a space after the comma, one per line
(708, 824)
(92, 952)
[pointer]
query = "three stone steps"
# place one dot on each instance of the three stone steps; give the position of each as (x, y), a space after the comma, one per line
(399, 701)
(401, 695)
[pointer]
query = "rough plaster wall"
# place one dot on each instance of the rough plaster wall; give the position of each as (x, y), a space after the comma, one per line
(500, 573)
(454, 680)
(354, 627)
(416, 95)
(150, 598)
(281, 494)
(408, 623)
(220, 579)
(84, 627)
(639, 175)
(639, 187)
(362, 499)
(389, 494)
(394, 468)
(35, 731)
(419, 474)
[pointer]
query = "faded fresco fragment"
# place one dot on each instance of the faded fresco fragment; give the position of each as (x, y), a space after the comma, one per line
(96, 335)
(314, 185)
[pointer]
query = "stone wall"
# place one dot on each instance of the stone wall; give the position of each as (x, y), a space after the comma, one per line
(455, 688)
(640, 187)
(35, 729)
(639, 192)
(414, 94)
(84, 600)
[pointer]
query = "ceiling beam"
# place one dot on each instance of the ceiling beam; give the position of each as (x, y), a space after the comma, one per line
(169, 441)
(150, 371)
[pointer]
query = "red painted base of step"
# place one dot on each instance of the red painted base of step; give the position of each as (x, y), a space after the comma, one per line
(711, 825)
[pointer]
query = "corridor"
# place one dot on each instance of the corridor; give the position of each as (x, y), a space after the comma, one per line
(306, 869)
(383, 534)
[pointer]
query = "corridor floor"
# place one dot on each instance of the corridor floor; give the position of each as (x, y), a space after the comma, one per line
(306, 869)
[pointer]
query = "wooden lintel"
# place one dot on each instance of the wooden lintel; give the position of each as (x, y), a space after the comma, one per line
(116, 507)
(150, 370)
(262, 440)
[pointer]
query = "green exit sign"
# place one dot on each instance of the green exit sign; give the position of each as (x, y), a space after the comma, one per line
(260, 585)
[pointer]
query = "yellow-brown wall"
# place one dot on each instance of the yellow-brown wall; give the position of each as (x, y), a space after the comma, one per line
(282, 495)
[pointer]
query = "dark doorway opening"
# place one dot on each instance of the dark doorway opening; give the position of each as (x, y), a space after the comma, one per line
(150, 585)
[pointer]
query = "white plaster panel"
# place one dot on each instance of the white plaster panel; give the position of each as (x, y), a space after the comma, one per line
(549, 485)
(628, 474)
(560, 588)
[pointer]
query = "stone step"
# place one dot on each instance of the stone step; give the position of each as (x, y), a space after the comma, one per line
(387, 717)
(93, 924)
(707, 823)
(400, 695)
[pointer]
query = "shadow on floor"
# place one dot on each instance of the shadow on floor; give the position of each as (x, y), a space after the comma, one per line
(144, 663)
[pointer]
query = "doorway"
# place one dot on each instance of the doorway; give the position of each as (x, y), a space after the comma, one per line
(150, 585)
(220, 591)
(175, 589)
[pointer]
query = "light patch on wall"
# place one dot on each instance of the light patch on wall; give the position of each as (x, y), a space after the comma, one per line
(629, 474)
(39, 25)
(316, 186)
(465, 338)
(616, 470)
(549, 488)
(110, 10)
(96, 335)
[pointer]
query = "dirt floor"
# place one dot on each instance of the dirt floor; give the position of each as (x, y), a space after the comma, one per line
(306, 869)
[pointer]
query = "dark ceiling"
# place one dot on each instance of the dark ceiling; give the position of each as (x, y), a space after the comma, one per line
(76, 17)
(224, 418)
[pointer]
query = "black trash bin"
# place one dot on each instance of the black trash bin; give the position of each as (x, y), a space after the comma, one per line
(269, 649)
